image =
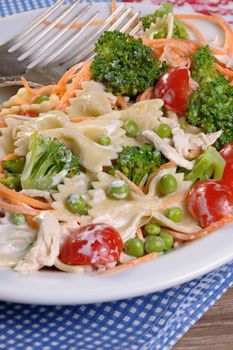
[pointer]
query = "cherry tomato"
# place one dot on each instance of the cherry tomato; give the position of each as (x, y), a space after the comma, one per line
(173, 89)
(227, 151)
(228, 175)
(95, 244)
(29, 114)
(209, 201)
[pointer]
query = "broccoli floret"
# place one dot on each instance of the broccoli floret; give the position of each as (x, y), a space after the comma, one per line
(179, 30)
(14, 166)
(204, 65)
(135, 162)
(47, 163)
(124, 65)
(209, 165)
(12, 170)
(211, 105)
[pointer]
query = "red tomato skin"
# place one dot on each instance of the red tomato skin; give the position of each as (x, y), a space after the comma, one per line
(228, 176)
(227, 151)
(209, 201)
(173, 89)
(95, 244)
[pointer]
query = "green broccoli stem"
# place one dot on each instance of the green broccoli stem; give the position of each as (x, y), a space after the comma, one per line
(209, 165)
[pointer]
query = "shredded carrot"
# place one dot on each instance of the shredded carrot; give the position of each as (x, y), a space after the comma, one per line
(231, 83)
(2, 176)
(172, 199)
(76, 25)
(30, 221)
(113, 5)
(44, 90)
(2, 124)
(79, 119)
(83, 75)
(16, 196)
(61, 85)
(27, 87)
(132, 263)
(194, 29)
(225, 71)
(217, 20)
(10, 156)
(203, 232)
(19, 208)
(131, 184)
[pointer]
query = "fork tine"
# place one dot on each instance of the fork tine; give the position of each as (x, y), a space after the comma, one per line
(31, 26)
(89, 56)
(40, 35)
(70, 41)
(105, 24)
(53, 39)
(128, 24)
(136, 29)
(86, 43)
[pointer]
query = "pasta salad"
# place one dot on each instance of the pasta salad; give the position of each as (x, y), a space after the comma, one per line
(127, 157)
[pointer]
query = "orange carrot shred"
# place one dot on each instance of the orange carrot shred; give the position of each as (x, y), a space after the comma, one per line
(225, 71)
(83, 75)
(27, 87)
(30, 221)
(132, 263)
(16, 196)
(10, 156)
(194, 29)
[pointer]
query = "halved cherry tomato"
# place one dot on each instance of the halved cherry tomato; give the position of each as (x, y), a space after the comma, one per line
(227, 151)
(95, 244)
(209, 201)
(173, 89)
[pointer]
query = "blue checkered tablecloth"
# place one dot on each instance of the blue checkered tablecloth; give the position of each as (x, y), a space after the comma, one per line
(152, 322)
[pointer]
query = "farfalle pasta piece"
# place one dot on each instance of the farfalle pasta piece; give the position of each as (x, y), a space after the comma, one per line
(11, 107)
(93, 156)
(78, 184)
(91, 101)
(7, 134)
(128, 214)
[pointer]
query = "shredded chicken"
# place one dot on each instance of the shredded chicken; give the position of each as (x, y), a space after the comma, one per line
(38, 194)
(46, 248)
(188, 144)
(167, 150)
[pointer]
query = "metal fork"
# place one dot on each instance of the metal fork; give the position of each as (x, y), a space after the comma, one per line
(30, 55)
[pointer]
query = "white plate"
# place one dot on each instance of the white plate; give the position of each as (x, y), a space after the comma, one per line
(186, 263)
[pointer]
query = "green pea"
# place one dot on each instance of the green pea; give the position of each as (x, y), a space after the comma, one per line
(163, 130)
(118, 189)
(168, 240)
(132, 128)
(167, 184)
(134, 247)
(104, 140)
(154, 244)
(42, 98)
(175, 214)
(152, 229)
(17, 219)
(76, 204)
